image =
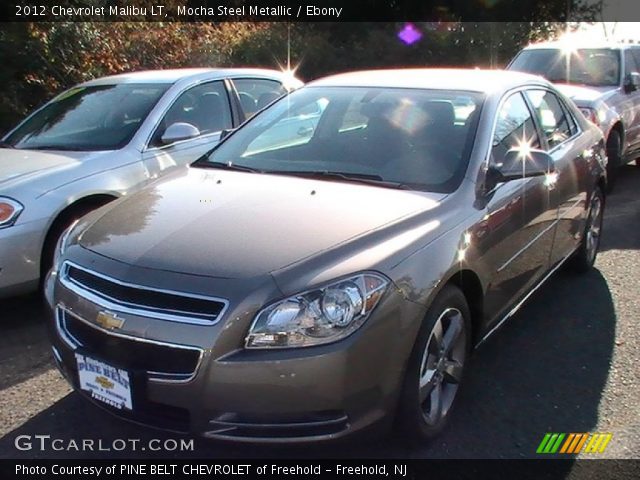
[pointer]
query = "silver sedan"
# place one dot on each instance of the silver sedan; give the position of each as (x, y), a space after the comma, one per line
(105, 139)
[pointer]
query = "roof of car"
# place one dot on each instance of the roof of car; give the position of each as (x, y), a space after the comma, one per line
(474, 80)
(173, 75)
(579, 43)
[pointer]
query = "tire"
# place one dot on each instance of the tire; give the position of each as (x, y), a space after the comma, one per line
(587, 252)
(614, 155)
(637, 161)
(439, 372)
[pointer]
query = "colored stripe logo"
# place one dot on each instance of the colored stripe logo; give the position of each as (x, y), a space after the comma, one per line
(574, 443)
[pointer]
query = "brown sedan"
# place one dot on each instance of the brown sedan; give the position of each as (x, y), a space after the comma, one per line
(331, 264)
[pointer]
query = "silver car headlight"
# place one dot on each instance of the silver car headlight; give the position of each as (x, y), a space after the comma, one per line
(61, 246)
(10, 210)
(319, 316)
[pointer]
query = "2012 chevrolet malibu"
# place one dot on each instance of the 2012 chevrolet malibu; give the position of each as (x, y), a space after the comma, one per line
(107, 138)
(330, 265)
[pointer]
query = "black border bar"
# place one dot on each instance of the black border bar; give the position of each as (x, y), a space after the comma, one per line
(195, 469)
(320, 10)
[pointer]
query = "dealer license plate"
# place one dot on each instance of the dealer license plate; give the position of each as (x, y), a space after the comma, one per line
(105, 383)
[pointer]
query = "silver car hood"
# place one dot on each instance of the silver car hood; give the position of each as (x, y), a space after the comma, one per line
(241, 225)
(585, 96)
(17, 165)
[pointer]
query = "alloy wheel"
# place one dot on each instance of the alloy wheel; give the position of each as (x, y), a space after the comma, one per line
(442, 366)
(594, 227)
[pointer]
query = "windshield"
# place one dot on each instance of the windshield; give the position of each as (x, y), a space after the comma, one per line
(101, 117)
(596, 67)
(409, 138)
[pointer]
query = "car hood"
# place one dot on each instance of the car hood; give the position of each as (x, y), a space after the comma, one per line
(584, 95)
(238, 225)
(17, 165)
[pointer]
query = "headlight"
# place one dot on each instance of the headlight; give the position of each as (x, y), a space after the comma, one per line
(318, 316)
(61, 246)
(9, 211)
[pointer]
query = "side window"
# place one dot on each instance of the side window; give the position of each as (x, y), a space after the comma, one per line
(552, 117)
(257, 93)
(629, 63)
(204, 106)
(635, 52)
(295, 128)
(514, 128)
(354, 118)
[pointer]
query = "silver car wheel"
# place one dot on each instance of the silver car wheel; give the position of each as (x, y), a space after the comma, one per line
(593, 228)
(442, 365)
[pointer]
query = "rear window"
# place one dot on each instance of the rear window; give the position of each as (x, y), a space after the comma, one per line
(597, 67)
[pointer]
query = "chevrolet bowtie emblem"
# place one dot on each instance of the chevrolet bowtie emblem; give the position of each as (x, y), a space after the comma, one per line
(104, 382)
(109, 321)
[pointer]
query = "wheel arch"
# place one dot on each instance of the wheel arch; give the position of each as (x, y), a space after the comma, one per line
(87, 202)
(471, 286)
(469, 283)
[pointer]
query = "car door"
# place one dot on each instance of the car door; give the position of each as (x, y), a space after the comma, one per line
(204, 107)
(253, 94)
(632, 65)
(519, 218)
(567, 192)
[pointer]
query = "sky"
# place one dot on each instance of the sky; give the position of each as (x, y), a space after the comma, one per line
(616, 31)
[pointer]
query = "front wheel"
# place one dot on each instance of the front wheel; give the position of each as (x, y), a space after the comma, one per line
(587, 252)
(436, 366)
(57, 229)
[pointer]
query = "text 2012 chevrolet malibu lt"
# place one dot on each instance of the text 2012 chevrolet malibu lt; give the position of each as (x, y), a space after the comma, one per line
(330, 265)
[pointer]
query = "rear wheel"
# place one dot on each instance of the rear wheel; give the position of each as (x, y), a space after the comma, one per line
(614, 155)
(586, 254)
(436, 366)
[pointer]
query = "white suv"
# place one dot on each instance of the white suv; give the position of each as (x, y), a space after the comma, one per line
(603, 81)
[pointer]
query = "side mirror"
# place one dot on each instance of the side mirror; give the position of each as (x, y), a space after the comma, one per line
(517, 165)
(179, 131)
(632, 82)
(226, 132)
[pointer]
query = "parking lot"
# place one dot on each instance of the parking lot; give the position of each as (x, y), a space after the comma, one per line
(567, 362)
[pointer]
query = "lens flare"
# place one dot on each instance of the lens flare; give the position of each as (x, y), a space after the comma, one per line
(289, 71)
(524, 148)
(409, 34)
(568, 43)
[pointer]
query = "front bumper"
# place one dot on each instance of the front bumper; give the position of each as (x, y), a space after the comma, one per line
(288, 395)
(20, 249)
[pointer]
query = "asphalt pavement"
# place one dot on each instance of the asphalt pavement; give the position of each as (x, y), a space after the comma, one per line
(568, 361)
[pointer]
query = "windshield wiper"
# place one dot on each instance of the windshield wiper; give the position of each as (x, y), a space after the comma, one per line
(366, 178)
(6, 145)
(225, 166)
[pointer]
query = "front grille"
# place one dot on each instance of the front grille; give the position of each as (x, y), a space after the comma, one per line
(146, 301)
(239, 426)
(131, 354)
